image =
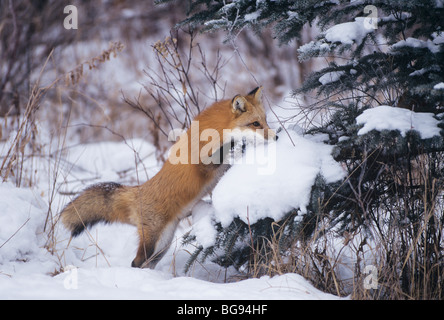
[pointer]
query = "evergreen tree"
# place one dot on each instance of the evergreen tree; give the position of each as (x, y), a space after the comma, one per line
(381, 53)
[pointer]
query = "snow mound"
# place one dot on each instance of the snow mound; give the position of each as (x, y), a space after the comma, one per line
(392, 118)
(251, 194)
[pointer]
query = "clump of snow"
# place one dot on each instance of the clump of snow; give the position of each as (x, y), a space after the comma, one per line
(311, 49)
(439, 86)
(251, 194)
(252, 16)
(348, 32)
(392, 118)
(331, 77)
(433, 46)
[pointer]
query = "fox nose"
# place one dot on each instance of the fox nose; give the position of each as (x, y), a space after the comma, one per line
(276, 137)
(272, 136)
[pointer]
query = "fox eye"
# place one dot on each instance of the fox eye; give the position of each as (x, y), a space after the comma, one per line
(256, 124)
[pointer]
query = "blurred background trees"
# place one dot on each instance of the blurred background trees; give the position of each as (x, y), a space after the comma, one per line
(35, 46)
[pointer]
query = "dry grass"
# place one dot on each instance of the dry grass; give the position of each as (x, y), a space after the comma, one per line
(26, 132)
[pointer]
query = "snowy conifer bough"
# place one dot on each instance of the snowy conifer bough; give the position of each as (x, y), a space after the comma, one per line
(382, 88)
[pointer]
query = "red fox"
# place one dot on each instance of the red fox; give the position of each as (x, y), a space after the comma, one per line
(157, 206)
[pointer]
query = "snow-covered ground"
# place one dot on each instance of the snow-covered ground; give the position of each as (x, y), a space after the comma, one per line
(37, 262)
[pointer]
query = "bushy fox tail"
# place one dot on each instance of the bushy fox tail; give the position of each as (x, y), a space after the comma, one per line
(101, 202)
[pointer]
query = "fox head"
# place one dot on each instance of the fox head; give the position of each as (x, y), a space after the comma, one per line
(249, 115)
(239, 120)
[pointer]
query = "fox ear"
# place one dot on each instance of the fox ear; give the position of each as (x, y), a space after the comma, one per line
(257, 94)
(238, 104)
